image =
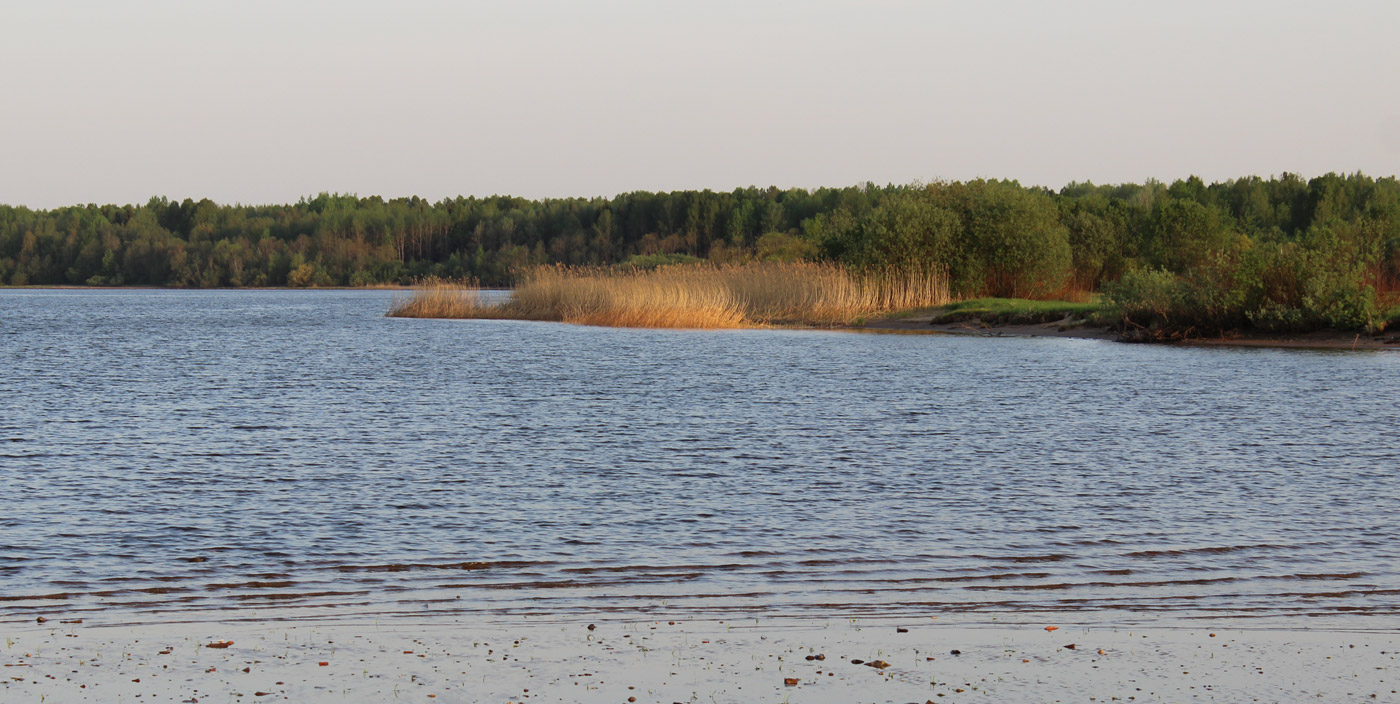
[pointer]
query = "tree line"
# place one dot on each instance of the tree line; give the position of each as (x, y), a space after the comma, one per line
(1282, 252)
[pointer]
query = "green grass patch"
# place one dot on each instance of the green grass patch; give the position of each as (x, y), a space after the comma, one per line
(1019, 311)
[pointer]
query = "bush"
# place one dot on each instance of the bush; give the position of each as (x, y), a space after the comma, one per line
(1320, 285)
(1014, 245)
(907, 233)
(1147, 300)
(782, 247)
(1280, 287)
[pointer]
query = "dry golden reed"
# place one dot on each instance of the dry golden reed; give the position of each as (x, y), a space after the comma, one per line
(689, 296)
(441, 298)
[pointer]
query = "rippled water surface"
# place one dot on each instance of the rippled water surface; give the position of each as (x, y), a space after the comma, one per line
(190, 451)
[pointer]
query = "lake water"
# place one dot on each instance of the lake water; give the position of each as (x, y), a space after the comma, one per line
(227, 452)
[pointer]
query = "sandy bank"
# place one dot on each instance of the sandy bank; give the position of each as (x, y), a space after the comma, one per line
(436, 660)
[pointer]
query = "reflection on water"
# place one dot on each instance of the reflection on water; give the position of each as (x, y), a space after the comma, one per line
(212, 450)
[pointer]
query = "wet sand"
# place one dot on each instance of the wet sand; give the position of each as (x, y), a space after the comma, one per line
(777, 660)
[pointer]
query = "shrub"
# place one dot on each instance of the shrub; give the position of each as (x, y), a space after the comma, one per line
(1318, 285)
(1013, 243)
(1276, 287)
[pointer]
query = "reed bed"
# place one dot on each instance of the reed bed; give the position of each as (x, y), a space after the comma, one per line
(670, 297)
(442, 298)
(689, 296)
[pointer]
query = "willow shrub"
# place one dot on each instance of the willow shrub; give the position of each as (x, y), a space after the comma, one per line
(991, 238)
(1014, 245)
(1276, 287)
(1311, 287)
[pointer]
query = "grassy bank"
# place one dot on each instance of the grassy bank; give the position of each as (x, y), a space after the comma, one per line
(687, 296)
(1019, 311)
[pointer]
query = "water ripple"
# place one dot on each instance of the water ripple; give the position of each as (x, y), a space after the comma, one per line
(170, 452)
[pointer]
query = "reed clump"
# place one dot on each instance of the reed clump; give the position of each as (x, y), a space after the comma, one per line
(685, 296)
(689, 296)
(435, 297)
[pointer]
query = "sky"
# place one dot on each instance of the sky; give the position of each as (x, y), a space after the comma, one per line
(115, 101)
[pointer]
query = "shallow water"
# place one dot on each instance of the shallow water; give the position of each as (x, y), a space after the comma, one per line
(191, 451)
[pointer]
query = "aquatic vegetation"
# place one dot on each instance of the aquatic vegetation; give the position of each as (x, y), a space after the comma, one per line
(688, 296)
(440, 298)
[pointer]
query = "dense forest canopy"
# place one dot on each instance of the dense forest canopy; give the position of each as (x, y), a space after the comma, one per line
(1285, 238)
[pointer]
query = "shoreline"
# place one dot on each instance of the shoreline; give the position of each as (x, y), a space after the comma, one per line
(1320, 340)
(645, 660)
(922, 323)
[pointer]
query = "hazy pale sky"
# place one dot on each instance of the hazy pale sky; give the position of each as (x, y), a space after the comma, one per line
(256, 101)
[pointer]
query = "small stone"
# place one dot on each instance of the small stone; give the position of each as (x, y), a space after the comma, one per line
(955, 651)
(790, 681)
(1068, 647)
(857, 662)
(877, 664)
(592, 627)
(901, 630)
(220, 644)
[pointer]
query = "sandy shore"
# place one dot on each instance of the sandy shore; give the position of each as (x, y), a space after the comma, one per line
(776, 660)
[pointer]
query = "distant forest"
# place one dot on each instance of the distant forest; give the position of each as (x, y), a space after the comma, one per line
(1285, 241)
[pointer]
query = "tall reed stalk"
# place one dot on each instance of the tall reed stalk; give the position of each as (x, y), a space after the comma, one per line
(441, 298)
(690, 296)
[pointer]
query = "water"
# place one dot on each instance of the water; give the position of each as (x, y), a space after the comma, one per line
(225, 453)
